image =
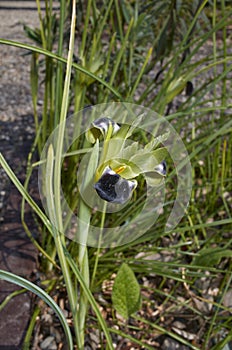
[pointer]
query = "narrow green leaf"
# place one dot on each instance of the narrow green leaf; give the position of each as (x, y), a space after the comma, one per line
(61, 59)
(24, 193)
(22, 282)
(211, 256)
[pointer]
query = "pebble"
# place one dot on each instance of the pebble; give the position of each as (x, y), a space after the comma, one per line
(171, 344)
(227, 299)
(48, 344)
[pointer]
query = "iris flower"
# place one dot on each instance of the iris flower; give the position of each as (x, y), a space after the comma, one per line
(123, 160)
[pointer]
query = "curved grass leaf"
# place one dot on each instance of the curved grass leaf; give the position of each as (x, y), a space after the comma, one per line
(22, 282)
(60, 59)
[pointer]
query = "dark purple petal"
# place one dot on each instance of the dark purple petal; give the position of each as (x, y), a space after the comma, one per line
(113, 188)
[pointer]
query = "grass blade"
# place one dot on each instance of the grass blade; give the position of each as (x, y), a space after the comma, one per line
(22, 282)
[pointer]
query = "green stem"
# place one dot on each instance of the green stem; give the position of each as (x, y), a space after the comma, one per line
(121, 51)
(99, 246)
(63, 114)
(84, 224)
(214, 56)
(59, 73)
(41, 24)
(11, 296)
(59, 239)
(84, 213)
(141, 73)
(224, 35)
(84, 35)
(54, 202)
(30, 329)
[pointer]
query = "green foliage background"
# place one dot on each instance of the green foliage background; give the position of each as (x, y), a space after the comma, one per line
(175, 58)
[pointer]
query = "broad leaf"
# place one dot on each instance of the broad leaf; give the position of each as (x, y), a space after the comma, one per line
(126, 292)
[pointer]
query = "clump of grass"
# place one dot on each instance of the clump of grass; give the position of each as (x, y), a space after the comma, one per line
(136, 52)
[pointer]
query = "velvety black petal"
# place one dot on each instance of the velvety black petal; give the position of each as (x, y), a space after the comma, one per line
(105, 186)
(113, 188)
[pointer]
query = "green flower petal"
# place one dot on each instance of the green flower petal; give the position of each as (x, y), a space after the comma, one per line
(153, 179)
(124, 168)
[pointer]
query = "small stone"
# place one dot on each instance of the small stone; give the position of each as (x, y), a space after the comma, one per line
(171, 344)
(65, 313)
(227, 300)
(48, 344)
(94, 337)
(47, 318)
(56, 334)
